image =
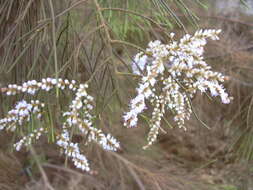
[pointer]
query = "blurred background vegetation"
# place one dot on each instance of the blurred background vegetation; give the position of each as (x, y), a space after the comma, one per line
(80, 39)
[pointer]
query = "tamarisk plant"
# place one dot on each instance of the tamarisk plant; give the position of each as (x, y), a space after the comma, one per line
(79, 116)
(171, 74)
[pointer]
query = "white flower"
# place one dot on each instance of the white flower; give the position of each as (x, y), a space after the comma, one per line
(109, 143)
(172, 74)
(139, 63)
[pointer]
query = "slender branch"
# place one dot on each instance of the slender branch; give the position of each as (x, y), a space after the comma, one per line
(88, 35)
(54, 44)
(135, 13)
(42, 171)
(193, 110)
(108, 43)
(102, 20)
(128, 44)
(64, 12)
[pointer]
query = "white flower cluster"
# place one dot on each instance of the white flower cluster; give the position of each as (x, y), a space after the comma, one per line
(32, 86)
(72, 150)
(27, 140)
(171, 75)
(79, 115)
(21, 113)
(156, 118)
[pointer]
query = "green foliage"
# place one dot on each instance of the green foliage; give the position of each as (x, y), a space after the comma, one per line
(130, 18)
(228, 187)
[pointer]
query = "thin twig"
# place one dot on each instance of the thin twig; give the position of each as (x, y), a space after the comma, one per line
(192, 108)
(128, 44)
(44, 175)
(136, 14)
(54, 44)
